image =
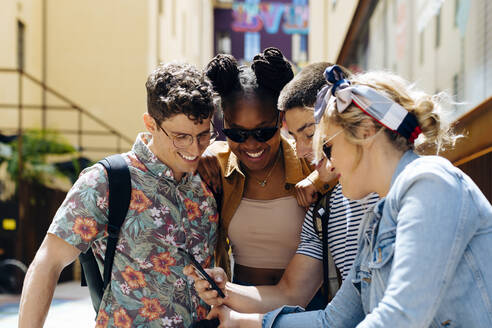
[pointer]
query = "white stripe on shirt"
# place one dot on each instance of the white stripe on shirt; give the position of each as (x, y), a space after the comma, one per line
(343, 229)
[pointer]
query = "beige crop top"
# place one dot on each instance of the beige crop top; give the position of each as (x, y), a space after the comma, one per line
(265, 233)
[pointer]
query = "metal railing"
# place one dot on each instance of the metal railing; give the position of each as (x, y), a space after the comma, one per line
(69, 105)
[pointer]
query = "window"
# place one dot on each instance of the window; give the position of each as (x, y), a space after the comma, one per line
(173, 18)
(421, 55)
(438, 29)
(456, 8)
(20, 44)
(223, 45)
(455, 87)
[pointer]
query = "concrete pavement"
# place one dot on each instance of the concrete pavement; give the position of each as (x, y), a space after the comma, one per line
(71, 307)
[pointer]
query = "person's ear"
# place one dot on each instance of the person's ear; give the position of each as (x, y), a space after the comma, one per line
(367, 130)
(367, 133)
(150, 123)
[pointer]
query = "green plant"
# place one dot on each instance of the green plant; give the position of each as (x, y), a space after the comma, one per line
(37, 145)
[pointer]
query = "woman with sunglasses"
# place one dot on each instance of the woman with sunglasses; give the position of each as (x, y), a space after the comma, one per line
(259, 169)
(422, 257)
(318, 260)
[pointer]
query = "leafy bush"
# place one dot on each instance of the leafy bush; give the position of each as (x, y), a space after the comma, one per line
(37, 145)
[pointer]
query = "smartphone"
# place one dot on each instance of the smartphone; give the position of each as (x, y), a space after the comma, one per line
(200, 271)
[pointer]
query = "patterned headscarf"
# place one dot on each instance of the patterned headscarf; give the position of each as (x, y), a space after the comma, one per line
(382, 109)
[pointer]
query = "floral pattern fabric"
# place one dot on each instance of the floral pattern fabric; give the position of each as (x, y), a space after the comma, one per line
(148, 288)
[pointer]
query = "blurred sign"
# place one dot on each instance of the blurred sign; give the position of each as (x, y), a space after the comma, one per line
(9, 224)
(401, 29)
(252, 17)
(462, 16)
(427, 10)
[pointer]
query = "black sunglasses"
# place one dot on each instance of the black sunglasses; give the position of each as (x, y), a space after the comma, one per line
(327, 150)
(260, 134)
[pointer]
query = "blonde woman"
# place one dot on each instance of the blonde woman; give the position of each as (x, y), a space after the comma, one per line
(423, 258)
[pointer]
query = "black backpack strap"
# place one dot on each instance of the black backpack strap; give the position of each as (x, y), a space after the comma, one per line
(321, 216)
(91, 277)
(324, 237)
(119, 201)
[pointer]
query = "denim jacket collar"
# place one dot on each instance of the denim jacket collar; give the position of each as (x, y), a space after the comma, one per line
(408, 157)
(373, 217)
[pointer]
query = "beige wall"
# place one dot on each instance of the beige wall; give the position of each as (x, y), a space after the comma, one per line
(328, 26)
(28, 12)
(8, 82)
(434, 68)
(98, 54)
(186, 30)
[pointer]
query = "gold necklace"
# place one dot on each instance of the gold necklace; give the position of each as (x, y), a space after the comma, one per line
(263, 182)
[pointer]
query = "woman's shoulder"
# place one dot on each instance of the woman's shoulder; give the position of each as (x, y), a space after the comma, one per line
(430, 172)
(431, 165)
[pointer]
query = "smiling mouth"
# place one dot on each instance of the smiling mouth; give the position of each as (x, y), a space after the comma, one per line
(188, 158)
(255, 155)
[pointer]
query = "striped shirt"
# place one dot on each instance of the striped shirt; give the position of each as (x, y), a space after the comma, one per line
(343, 228)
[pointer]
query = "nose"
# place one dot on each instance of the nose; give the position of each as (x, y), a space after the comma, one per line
(251, 143)
(302, 148)
(196, 149)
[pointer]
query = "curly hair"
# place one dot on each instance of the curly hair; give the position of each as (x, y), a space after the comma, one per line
(302, 90)
(268, 74)
(179, 88)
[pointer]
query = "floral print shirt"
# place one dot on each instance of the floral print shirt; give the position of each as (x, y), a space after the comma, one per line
(148, 288)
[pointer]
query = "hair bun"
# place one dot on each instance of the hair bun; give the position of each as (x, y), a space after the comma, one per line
(223, 73)
(272, 69)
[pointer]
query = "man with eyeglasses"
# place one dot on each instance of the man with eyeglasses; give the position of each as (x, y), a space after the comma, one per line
(170, 207)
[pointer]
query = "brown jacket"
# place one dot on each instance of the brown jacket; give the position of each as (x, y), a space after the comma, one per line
(233, 178)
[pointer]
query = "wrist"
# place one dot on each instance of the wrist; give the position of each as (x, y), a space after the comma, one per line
(249, 320)
(229, 291)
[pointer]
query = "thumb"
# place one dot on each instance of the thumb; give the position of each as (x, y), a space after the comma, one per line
(219, 276)
(214, 313)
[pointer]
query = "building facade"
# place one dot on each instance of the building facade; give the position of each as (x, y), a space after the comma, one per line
(245, 28)
(94, 56)
(441, 45)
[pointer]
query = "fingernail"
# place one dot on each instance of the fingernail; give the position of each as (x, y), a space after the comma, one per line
(332, 169)
(338, 175)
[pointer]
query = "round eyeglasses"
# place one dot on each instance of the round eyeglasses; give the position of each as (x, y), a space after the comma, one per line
(183, 140)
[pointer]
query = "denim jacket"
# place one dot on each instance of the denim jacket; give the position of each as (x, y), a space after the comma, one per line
(424, 257)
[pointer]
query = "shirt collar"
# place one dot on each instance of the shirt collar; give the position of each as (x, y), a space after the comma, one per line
(150, 160)
(292, 164)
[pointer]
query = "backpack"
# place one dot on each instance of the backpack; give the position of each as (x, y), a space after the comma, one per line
(332, 279)
(119, 200)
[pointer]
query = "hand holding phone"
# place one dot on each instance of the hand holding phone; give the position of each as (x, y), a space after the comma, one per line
(200, 271)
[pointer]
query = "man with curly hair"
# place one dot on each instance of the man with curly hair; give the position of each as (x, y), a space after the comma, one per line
(170, 207)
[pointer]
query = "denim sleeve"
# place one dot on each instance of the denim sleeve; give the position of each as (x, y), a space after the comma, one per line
(345, 310)
(431, 203)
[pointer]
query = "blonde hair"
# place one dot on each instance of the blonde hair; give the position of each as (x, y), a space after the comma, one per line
(436, 134)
